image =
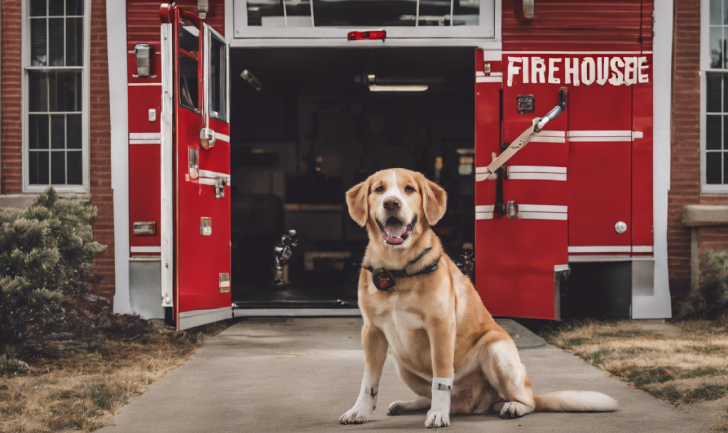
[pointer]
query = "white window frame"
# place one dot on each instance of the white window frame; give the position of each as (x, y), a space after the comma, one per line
(487, 29)
(706, 188)
(85, 102)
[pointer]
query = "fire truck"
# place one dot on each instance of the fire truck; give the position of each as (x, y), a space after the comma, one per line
(249, 119)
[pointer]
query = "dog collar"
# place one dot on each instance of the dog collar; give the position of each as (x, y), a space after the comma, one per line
(386, 279)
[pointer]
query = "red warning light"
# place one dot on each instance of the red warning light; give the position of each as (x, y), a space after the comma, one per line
(370, 35)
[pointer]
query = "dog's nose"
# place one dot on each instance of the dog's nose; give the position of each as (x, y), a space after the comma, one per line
(392, 203)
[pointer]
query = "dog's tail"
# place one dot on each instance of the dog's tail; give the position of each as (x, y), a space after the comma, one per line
(575, 401)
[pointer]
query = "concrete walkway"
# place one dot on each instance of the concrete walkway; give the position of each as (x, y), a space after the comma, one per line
(300, 375)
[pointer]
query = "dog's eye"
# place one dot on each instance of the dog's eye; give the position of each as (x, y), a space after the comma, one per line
(409, 189)
(379, 189)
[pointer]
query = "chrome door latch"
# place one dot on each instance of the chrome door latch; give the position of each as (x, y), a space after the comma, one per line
(220, 183)
(512, 209)
(207, 138)
(205, 226)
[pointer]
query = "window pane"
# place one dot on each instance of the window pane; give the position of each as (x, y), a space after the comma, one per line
(713, 133)
(218, 71)
(38, 168)
(65, 91)
(363, 13)
(38, 42)
(58, 168)
(298, 13)
(74, 7)
(55, 41)
(38, 131)
(75, 168)
(713, 168)
(265, 13)
(434, 13)
(716, 47)
(188, 82)
(38, 90)
(37, 8)
(189, 39)
(725, 132)
(715, 12)
(55, 7)
(714, 91)
(74, 42)
(73, 131)
(58, 131)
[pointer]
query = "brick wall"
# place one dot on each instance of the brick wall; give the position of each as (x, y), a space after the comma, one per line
(685, 156)
(99, 137)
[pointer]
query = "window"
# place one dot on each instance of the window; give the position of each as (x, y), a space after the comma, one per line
(218, 77)
(55, 83)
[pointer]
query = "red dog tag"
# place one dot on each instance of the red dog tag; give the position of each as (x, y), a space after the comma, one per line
(383, 280)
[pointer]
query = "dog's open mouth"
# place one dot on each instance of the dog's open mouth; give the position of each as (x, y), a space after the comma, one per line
(395, 231)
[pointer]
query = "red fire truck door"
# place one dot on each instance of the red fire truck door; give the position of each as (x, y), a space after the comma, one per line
(195, 170)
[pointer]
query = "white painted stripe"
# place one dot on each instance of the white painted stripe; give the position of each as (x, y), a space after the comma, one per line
(222, 137)
(496, 74)
(583, 53)
(488, 79)
(615, 133)
(492, 56)
(552, 134)
(541, 208)
(602, 139)
(536, 176)
(487, 208)
(542, 216)
(145, 141)
(549, 139)
(604, 249)
(535, 169)
(146, 249)
(144, 135)
(208, 173)
(637, 134)
(479, 74)
(484, 215)
(481, 170)
(642, 249)
(145, 84)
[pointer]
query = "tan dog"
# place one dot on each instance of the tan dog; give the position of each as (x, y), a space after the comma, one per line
(427, 314)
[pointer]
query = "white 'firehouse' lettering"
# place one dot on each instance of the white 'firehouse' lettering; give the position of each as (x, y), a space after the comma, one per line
(617, 71)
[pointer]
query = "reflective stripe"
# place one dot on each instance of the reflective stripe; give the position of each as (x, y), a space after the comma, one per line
(538, 139)
(642, 249)
(535, 169)
(488, 208)
(492, 56)
(541, 216)
(604, 249)
(145, 135)
(541, 208)
(146, 249)
(536, 176)
(145, 141)
(488, 79)
(222, 137)
(484, 215)
(619, 133)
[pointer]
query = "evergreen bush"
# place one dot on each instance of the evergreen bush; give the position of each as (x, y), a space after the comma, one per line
(46, 252)
(710, 301)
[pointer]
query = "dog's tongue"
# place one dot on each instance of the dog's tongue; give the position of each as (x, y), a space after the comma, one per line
(394, 228)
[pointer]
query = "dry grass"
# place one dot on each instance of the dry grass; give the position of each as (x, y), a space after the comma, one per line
(684, 363)
(84, 390)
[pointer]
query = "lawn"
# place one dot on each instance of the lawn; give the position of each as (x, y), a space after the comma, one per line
(85, 386)
(684, 362)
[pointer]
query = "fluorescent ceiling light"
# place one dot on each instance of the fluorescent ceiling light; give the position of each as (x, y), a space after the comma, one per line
(397, 88)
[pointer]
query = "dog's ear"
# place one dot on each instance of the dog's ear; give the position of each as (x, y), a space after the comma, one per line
(434, 201)
(357, 199)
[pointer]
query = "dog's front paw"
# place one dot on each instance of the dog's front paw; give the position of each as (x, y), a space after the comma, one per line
(512, 409)
(436, 418)
(354, 416)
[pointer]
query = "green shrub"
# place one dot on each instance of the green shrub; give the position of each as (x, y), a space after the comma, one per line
(711, 299)
(46, 252)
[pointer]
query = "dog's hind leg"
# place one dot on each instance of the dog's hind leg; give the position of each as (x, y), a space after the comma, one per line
(419, 386)
(503, 368)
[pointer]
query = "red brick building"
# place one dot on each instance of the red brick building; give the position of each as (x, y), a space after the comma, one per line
(54, 46)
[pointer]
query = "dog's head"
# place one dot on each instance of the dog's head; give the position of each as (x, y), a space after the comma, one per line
(397, 203)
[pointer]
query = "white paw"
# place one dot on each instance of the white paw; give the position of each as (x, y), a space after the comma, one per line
(354, 416)
(396, 408)
(513, 409)
(436, 418)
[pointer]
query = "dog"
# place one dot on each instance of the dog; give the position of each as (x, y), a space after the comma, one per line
(419, 307)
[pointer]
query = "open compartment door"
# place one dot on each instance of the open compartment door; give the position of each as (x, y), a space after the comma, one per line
(521, 252)
(195, 170)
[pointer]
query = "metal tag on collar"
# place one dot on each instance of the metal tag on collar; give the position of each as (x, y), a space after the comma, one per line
(383, 280)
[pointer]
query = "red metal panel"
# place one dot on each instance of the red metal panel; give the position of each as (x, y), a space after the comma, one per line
(142, 18)
(642, 197)
(144, 193)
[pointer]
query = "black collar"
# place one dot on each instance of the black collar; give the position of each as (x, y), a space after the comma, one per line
(385, 279)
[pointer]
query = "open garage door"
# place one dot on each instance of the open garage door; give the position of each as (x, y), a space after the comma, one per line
(195, 170)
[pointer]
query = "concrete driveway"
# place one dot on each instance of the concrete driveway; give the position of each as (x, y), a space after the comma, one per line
(300, 375)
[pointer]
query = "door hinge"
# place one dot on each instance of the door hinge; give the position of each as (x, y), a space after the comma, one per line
(220, 183)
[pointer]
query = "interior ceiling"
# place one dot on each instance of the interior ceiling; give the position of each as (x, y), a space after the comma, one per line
(344, 71)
